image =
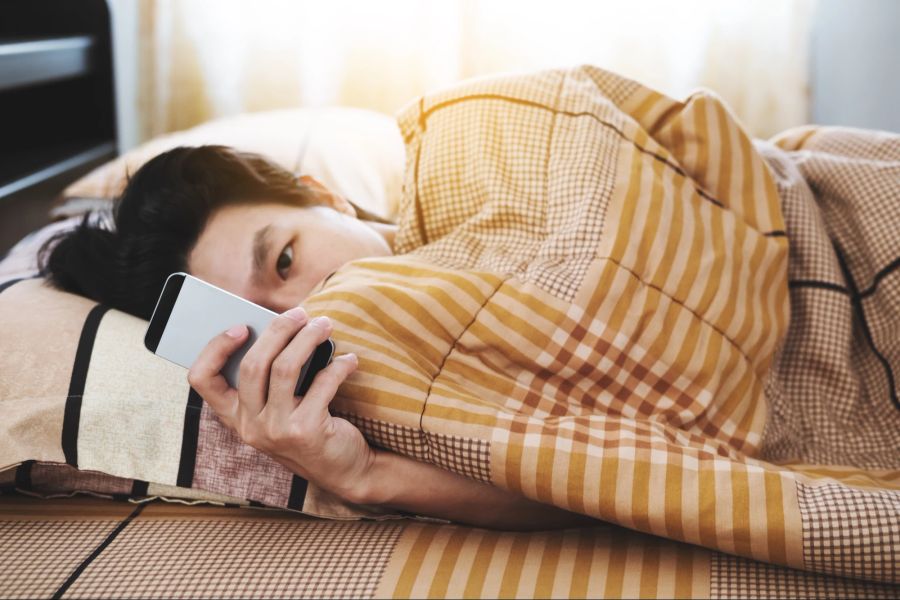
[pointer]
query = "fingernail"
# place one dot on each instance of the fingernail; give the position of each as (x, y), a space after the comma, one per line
(297, 313)
(350, 357)
(236, 331)
(321, 321)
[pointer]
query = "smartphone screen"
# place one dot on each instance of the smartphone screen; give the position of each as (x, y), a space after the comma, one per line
(190, 312)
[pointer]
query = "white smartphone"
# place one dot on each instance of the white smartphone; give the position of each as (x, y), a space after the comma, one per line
(190, 312)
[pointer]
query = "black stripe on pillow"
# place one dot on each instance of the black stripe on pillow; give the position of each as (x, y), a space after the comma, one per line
(298, 493)
(23, 475)
(139, 488)
(72, 414)
(189, 436)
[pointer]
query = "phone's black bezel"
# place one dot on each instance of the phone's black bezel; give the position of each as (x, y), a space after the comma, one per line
(320, 359)
(163, 310)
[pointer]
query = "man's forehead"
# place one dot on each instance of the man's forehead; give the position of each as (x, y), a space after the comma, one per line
(224, 259)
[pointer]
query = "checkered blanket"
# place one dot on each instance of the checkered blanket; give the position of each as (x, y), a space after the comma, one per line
(619, 304)
(602, 299)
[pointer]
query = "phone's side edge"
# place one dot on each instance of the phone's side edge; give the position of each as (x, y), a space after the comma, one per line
(163, 310)
(319, 360)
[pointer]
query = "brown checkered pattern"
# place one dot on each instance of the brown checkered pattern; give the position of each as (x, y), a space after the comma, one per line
(391, 436)
(466, 456)
(240, 559)
(811, 255)
(831, 382)
(851, 531)
(849, 164)
(37, 557)
(733, 577)
(821, 411)
(514, 229)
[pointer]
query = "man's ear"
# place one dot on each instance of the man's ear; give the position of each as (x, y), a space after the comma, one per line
(335, 201)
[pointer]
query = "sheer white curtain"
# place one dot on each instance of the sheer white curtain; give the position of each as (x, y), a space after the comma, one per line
(204, 59)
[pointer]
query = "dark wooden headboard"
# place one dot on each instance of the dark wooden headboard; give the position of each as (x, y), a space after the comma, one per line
(57, 104)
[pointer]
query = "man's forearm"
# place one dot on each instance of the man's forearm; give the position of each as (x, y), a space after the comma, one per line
(399, 482)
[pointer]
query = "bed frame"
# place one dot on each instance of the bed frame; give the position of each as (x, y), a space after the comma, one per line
(57, 103)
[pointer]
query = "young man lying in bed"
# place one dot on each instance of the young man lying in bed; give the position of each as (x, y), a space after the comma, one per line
(248, 226)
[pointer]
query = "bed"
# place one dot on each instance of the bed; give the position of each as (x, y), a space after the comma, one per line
(84, 547)
(120, 486)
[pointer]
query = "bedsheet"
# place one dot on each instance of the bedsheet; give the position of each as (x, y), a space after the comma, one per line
(602, 299)
(91, 548)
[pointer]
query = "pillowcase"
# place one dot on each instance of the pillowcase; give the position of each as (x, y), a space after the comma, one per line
(78, 389)
(355, 152)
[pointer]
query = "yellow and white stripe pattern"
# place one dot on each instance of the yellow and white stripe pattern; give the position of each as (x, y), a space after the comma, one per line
(602, 562)
(612, 366)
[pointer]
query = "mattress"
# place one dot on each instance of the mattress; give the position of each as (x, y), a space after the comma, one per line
(85, 547)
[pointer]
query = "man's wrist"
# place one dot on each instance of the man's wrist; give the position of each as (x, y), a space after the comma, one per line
(372, 487)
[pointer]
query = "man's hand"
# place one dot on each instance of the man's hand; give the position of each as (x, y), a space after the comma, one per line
(298, 432)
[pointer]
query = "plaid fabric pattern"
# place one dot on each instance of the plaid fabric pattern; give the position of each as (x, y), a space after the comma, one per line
(466, 456)
(408, 441)
(531, 229)
(235, 559)
(833, 380)
(733, 577)
(36, 557)
(851, 532)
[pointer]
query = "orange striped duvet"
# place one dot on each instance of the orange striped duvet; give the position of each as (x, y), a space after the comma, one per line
(591, 300)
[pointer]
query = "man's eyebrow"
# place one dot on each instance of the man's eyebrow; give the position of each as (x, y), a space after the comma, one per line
(260, 251)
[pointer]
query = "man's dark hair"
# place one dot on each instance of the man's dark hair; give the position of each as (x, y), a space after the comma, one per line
(157, 221)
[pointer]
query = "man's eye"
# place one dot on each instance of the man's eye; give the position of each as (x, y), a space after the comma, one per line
(285, 259)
